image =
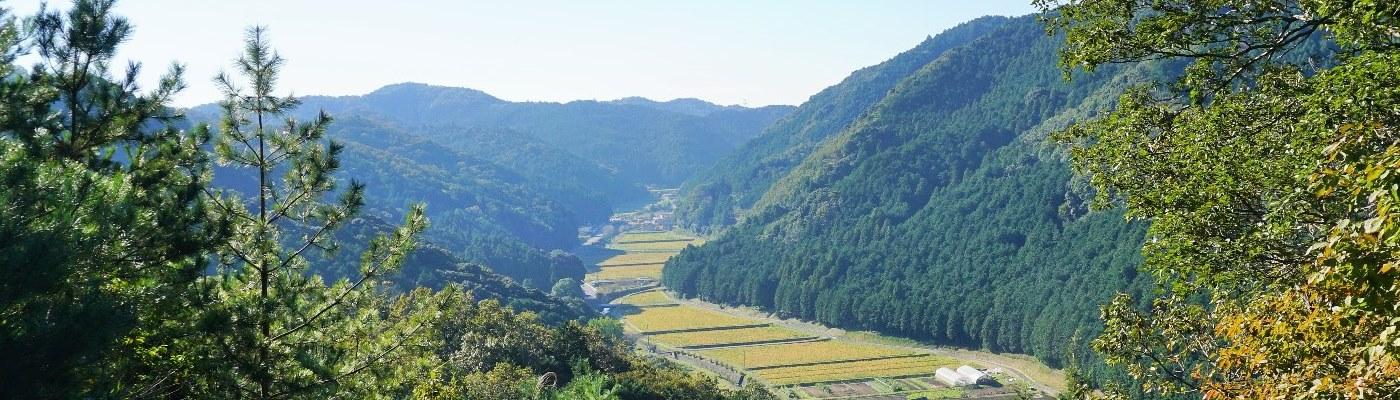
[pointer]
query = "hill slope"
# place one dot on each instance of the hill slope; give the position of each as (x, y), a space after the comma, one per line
(480, 211)
(507, 183)
(642, 141)
(941, 213)
(717, 196)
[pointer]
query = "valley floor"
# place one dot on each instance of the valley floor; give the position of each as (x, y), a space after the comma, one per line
(794, 358)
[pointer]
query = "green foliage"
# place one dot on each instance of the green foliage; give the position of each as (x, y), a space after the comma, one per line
(716, 197)
(486, 214)
(489, 351)
(272, 330)
(588, 386)
(126, 275)
(567, 288)
(1263, 171)
(610, 328)
(102, 215)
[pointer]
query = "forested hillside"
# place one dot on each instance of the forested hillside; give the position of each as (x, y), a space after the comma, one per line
(642, 142)
(433, 266)
(482, 212)
(942, 212)
(126, 272)
(507, 182)
(717, 196)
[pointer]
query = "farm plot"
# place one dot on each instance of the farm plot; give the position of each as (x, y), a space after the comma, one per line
(652, 271)
(670, 246)
(804, 353)
(650, 298)
(680, 318)
(629, 259)
(608, 287)
(762, 334)
(631, 237)
(920, 365)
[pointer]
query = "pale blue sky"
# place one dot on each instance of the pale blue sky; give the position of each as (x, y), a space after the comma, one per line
(753, 52)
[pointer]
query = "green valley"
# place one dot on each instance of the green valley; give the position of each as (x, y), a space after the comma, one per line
(700, 200)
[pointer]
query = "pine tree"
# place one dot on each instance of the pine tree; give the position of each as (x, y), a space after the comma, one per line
(101, 219)
(276, 330)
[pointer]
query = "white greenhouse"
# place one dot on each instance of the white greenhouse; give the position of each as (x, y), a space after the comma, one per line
(951, 378)
(973, 375)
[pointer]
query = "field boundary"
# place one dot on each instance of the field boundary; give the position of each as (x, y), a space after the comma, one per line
(712, 346)
(837, 381)
(653, 241)
(842, 361)
(627, 265)
(602, 266)
(705, 329)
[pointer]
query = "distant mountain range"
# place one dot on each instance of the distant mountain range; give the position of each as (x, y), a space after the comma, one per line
(508, 183)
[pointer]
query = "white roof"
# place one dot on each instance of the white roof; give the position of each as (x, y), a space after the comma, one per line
(971, 373)
(950, 377)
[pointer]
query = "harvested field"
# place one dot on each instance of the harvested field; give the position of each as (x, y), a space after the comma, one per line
(631, 237)
(652, 271)
(852, 370)
(663, 246)
(631, 259)
(605, 287)
(755, 335)
(841, 390)
(649, 298)
(670, 319)
(796, 354)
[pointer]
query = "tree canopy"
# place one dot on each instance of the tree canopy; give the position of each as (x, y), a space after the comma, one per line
(125, 272)
(1267, 174)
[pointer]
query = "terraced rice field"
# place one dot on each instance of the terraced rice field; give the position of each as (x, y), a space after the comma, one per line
(657, 320)
(652, 271)
(793, 354)
(670, 246)
(609, 287)
(630, 237)
(629, 259)
(649, 298)
(776, 355)
(852, 370)
(728, 337)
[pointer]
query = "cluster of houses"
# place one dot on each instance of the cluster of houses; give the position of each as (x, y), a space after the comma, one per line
(644, 221)
(963, 376)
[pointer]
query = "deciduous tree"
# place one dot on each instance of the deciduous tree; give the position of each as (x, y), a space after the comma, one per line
(1267, 171)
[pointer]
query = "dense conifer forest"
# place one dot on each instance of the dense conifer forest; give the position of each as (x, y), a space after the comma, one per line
(943, 212)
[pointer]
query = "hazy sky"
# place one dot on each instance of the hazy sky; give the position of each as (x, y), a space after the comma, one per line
(753, 52)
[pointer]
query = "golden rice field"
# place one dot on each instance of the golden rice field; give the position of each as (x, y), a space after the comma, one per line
(650, 237)
(727, 336)
(636, 259)
(682, 317)
(652, 271)
(852, 370)
(648, 298)
(669, 246)
(776, 355)
(609, 287)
